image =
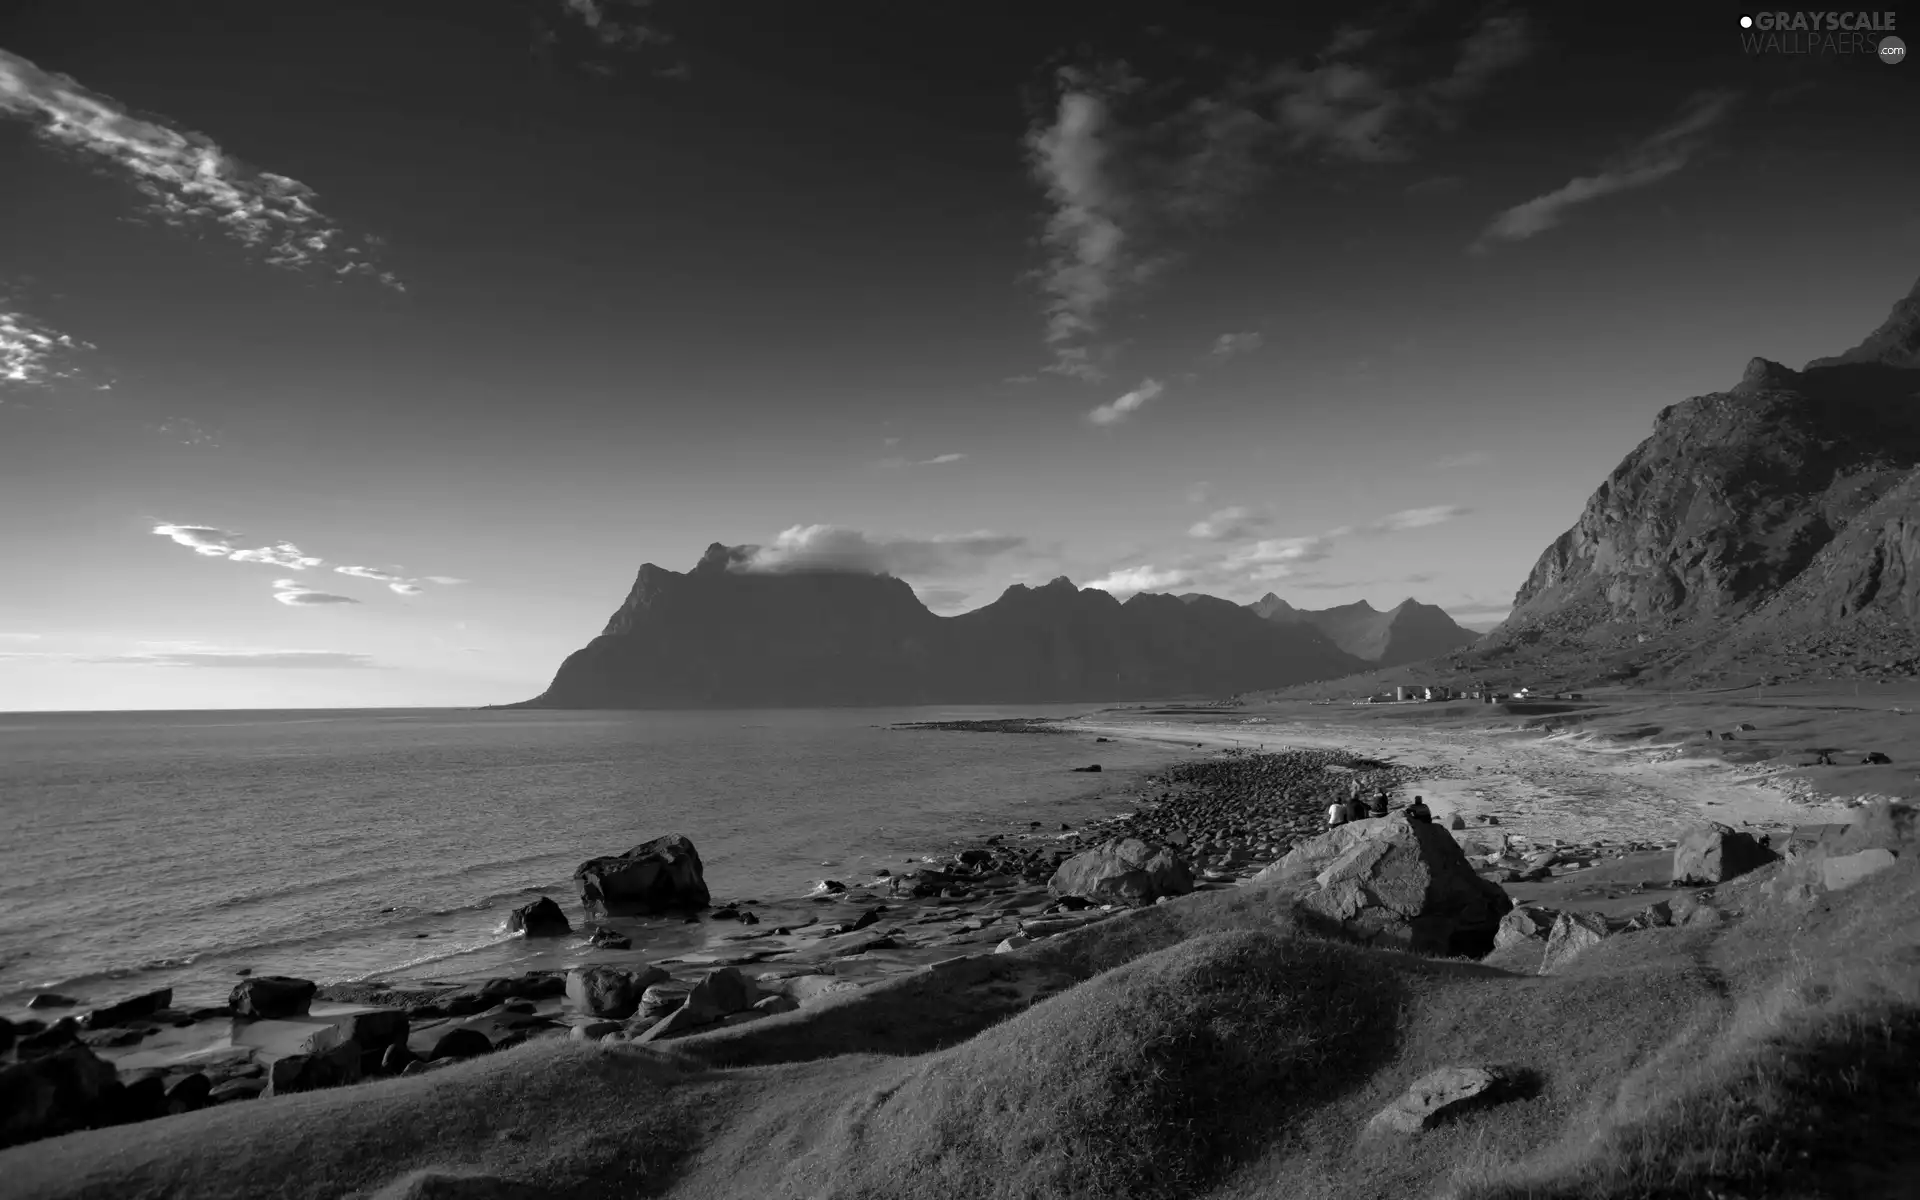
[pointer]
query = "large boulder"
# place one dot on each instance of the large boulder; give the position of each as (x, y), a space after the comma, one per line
(719, 993)
(1526, 923)
(1390, 882)
(663, 875)
(1439, 1096)
(1123, 871)
(335, 1067)
(66, 1090)
(1573, 933)
(542, 918)
(610, 991)
(134, 1009)
(1714, 853)
(271, 997)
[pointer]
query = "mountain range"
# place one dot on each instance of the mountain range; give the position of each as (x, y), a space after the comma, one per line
(1770, 531)
(1406, 633)
(727, 635)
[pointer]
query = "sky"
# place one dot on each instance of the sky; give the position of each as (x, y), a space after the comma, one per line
(358, 354)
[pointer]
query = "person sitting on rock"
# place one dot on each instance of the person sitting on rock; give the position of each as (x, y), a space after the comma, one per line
(1380, 805)
(1418, 811)
(1336, 814)
(1357, 808)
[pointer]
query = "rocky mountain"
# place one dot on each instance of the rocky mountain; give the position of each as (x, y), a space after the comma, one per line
(1771, 530)
(1406, 633)
(725, 636)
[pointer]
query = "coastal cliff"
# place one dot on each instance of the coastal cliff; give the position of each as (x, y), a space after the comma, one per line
(724, 636)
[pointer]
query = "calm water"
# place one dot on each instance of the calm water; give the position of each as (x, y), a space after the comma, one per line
(140, 850)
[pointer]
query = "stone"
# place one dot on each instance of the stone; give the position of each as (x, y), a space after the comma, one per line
(51, 1000)
(1122, 871)
(303, 1035)
(1456, 821)
(1848, 869)
(809, 990)
(725, 990)
(608, 939)
(1400, 884)
(593, 1031)
(1088, 769)
(1876, 759)
(610, 991)
(1572, 934)
(375, 1029)
(70, 1088)
(460, 1042)
(1526, 923)
(1016, 942)
(1714, 853)
(1656, 915)
(1438, 1096)
(775, 1004)
(663, 875)
(189, 1092)
(133, 1009)
(395, 1059)
(236, 1089)
(141, 1099)
(271, 997)
(660, 999)
(542, 918)
(335, 1067)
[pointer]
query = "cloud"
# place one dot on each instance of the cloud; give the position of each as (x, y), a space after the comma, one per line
(444, 580)
(280, 554)
(1141, 579)
(1454, 462)
(186, 178)
(1229, 525)
(396, 583)
(937, 459)
(1227, 345)
(290, 591)
(1118, 410)
(222, 543)
(610, 28)
(1663, 153)
(943, 599)
(1416, 518)
(33, 355)
(836, 548)
(255, 659)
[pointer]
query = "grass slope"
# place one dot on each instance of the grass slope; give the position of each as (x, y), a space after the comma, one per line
(1207, 1047)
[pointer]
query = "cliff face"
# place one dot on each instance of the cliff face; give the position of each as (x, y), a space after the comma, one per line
(719, 636)
(1788, 499)
(1406, 633)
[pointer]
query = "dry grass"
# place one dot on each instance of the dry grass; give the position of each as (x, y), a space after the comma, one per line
(1202, 1048)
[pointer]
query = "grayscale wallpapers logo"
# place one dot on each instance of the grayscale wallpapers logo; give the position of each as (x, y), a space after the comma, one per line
(1823, 33)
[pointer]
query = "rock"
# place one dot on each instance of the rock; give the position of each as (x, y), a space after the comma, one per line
(1438, 1096)
(659, 1000)
(395, 1059)
(608, 939)
(1009, 945)
(142, 1099)
(663, 875)
(271, 997)
(336, 1067)
(610, 991)
(809, 990)
(1656, 915)
(132, 1009)
(542, 918)
(775, 1004)
(726, 990)
(1526, 923)
(1876, 759)
(1404, 884)
(1088, 769)
(189, 1092)
(51, 1000)
(236, 1089)
(1848, 869)
(111, 1038)
(460, 1042)
(593, 1031)
(1122, 871)
(828, 887)
(6, 1035)
(70, 1088)
(1714, 853)
(1456, 821)
(1572, 933)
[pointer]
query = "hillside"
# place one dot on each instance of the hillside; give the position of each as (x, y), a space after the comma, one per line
(1406, 633)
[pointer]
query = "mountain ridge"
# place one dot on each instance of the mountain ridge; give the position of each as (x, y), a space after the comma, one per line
(1406, 633)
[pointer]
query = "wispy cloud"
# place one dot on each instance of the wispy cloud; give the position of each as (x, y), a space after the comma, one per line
(1122, 173)
(186, 177)
(443, 580)
(1663, 153)
(1230, 524)
(299, 595)
(224, 543)
(1416, 518)
(248, 659)
(1228, 345)
(397, 583)
(1149, 578)
(33, 355)
(836, 548)
(938, 459)
(1118, 410)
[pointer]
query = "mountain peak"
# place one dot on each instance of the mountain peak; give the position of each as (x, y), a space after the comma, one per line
(1896, 343)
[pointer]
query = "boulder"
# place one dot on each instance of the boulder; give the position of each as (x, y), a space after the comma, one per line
(375, 1029)
(69, 1089)
(460, 1042)
(775, 1004)
(1526, 923)
(189, 1092)
(726, 990)
(1123, 871)
(1438, 1096)
(663, 875)
(1017, 942)
(542, 918)
(1714, 853)
(6, 1035)
(609, 939)
(593, 1031)
(1848, 869)
(610, 991)
(396, 1059)
(236, 1089)
(336, 1067)
(51, 1000)
(132, 1009)
(660, 999)
(141, 1099)
(271, 997)
(1572, 933)
(1456, 821)
(1404, 884)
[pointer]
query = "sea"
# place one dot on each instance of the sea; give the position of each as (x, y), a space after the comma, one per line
(178, 849)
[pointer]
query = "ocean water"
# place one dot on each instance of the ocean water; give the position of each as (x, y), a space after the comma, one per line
(141, 850)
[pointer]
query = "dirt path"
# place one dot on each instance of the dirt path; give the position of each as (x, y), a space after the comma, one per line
(1561, 786)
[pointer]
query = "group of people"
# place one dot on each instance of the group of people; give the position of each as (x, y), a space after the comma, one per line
(1357, 808)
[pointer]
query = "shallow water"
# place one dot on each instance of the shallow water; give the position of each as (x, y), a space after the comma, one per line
(141, 850)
